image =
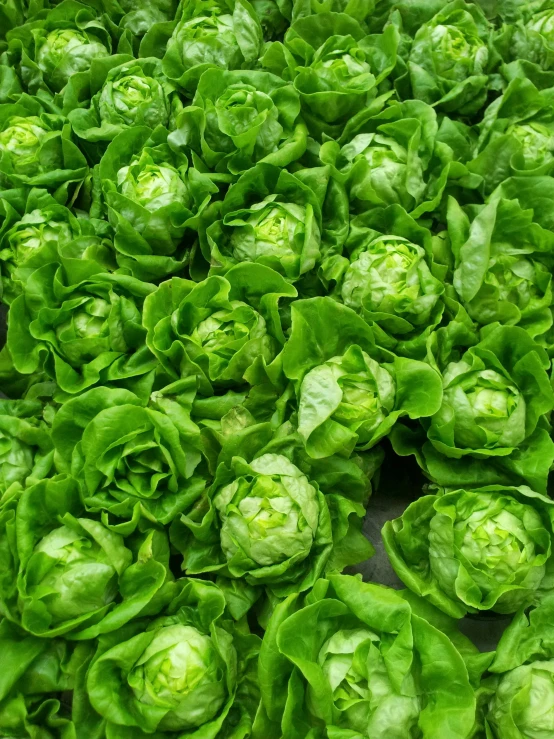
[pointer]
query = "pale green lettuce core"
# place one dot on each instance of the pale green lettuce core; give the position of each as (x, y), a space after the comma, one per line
(543, 23)
(128, 95)
(130, 91)
(57, 44)
(449, 58)
(225, 327)
(496, 541)
(272, 230)
(350, 71)
(537, 143)
(66, 51)
(78, 579)
(490, 410)
(182, 672)
(523, 704)
(389, 282)
(272, 517)
(353, 663)
(34, 231)
(21, 140)
(352, 390)
(453, 51)
(209, 40)
(515, 279)
(384, 274)
(152, 185)
(236, 112)
(392, 168)
(88, 321)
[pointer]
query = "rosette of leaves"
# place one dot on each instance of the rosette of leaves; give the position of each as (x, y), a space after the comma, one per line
(81, 324)
(493, 424)
(392, 281)
(133, 461)
(26, 449)
(518, 699)
(394, 156)
(450, 59)
(516, 135)
(474, 550)
(364, 12)
(36, 229)
(190, 671)
(274, 520)
(218, 330)
(334, 65)
(134, 93)
(271, 217)
(239, 118)
(205, 34)
(503, 266)
(528, 43)
(350, 392)
(37, 674)
(37, 150)
(53, 46)
(68, 574)
(153, 200)
(325, 659)
(139, 17)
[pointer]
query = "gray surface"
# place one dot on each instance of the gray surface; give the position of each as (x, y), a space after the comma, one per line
(400, 481)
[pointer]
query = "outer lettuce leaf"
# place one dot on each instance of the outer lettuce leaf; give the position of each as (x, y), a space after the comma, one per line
(26, 452)
(36, 672)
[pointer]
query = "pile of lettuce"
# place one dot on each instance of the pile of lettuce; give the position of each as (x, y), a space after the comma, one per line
(247, 248)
